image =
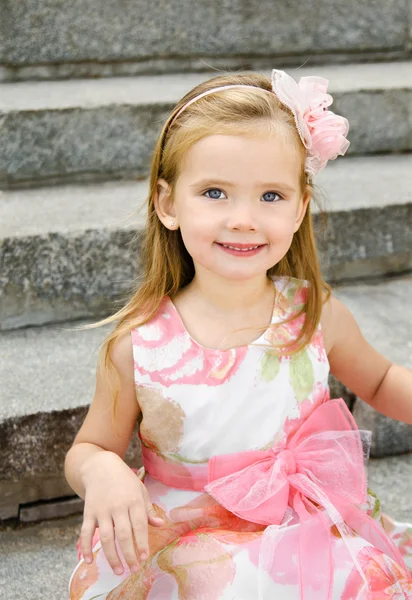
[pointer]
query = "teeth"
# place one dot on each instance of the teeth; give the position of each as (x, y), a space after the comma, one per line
(240, 249)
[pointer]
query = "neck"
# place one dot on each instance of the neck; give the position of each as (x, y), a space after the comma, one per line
(228, 298)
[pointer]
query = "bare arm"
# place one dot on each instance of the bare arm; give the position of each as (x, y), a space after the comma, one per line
(97, 434)
(115, 499)
(394, 396)
(387, 387)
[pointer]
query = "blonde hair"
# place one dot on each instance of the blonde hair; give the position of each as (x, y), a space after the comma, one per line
(167, 265)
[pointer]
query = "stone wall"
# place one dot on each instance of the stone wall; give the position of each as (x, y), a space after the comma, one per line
(104, 37)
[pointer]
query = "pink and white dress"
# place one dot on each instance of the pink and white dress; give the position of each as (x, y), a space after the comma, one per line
(258, 473)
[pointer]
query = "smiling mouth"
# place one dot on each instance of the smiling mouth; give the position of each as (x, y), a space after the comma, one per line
(241, 247)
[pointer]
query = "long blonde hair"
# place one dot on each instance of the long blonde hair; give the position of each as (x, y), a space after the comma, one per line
(166, 265)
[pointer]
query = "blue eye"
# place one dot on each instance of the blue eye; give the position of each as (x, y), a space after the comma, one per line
(213, 190)
(272, 197)
(214, 194)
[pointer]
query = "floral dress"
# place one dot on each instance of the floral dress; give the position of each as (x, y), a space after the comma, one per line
(258, 474)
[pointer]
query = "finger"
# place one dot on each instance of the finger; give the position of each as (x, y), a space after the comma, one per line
(138, 520)
(124, 537)
(152, 516)
(86, 537)
(109, 546)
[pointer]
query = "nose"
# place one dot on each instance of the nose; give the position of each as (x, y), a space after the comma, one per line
(241, 217)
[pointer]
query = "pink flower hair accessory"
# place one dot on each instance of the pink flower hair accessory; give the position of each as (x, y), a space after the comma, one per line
(323, 133)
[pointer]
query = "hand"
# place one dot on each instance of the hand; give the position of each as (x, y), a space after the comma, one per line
(116, 496)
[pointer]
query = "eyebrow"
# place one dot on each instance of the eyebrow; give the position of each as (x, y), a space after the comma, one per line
(211, 181)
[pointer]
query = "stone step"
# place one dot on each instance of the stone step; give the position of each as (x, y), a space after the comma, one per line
(28, 555)
(85, 129)
(64, 250)
(41, 40)
(57, 365)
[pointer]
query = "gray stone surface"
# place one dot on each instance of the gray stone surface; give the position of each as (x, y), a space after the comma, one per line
(384, 314)
(60, 277)
(78, 144)
(77, 208)
(195, 64)
(40, 32)
(391, 479)
(64, 252)
(98, 129)
(56, 363)
(31, 486)
(37, 429)
(36, 562)
(43, 511)
(369, 206)
(410, 25)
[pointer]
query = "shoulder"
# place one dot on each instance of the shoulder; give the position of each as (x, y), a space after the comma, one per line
(121, 353)
(339, 326)
(334, 319)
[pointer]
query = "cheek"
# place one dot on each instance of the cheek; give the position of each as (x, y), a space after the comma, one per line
(282, 227)
(196, 234)
(197, 225)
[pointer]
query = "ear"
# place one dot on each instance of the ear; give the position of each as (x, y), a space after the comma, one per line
(164, 204)
(303, 206)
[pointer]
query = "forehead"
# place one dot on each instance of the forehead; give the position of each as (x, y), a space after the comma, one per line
(243, 159)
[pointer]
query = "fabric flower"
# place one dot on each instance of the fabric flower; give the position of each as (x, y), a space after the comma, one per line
(323, 133)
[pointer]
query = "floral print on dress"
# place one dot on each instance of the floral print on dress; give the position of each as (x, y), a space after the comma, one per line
(198, 403)
(183, 360)
(162, 426)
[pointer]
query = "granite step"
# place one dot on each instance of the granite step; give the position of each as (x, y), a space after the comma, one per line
(39, 40)
(37, 561)
(66, 251)
(98, 129)
(47, 376)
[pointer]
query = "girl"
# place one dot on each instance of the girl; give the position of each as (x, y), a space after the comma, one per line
(253, 484)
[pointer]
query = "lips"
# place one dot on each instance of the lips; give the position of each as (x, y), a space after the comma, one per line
(240, 247)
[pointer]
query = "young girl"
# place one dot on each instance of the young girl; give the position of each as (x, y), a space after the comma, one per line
(253, 485)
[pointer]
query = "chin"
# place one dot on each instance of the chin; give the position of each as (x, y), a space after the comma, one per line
(238, 274)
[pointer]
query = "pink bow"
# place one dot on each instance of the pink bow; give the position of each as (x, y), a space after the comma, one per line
(317, 478)
(323, 133)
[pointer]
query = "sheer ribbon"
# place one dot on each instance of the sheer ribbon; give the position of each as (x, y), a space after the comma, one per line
(318, 473)
(316, 478)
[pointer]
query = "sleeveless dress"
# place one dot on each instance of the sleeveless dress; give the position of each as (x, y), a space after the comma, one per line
(258, 474)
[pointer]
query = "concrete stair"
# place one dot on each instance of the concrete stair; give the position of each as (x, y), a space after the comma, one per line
(88, 130)
(96, 38)
(47, 376)
(70, 252)
(36, 561)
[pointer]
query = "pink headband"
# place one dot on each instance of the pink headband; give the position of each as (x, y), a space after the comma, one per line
(322, 132)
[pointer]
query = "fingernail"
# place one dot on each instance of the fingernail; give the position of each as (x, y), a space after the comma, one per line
(88, 560)
(134, 568)
(143, 555)
(118, 570)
